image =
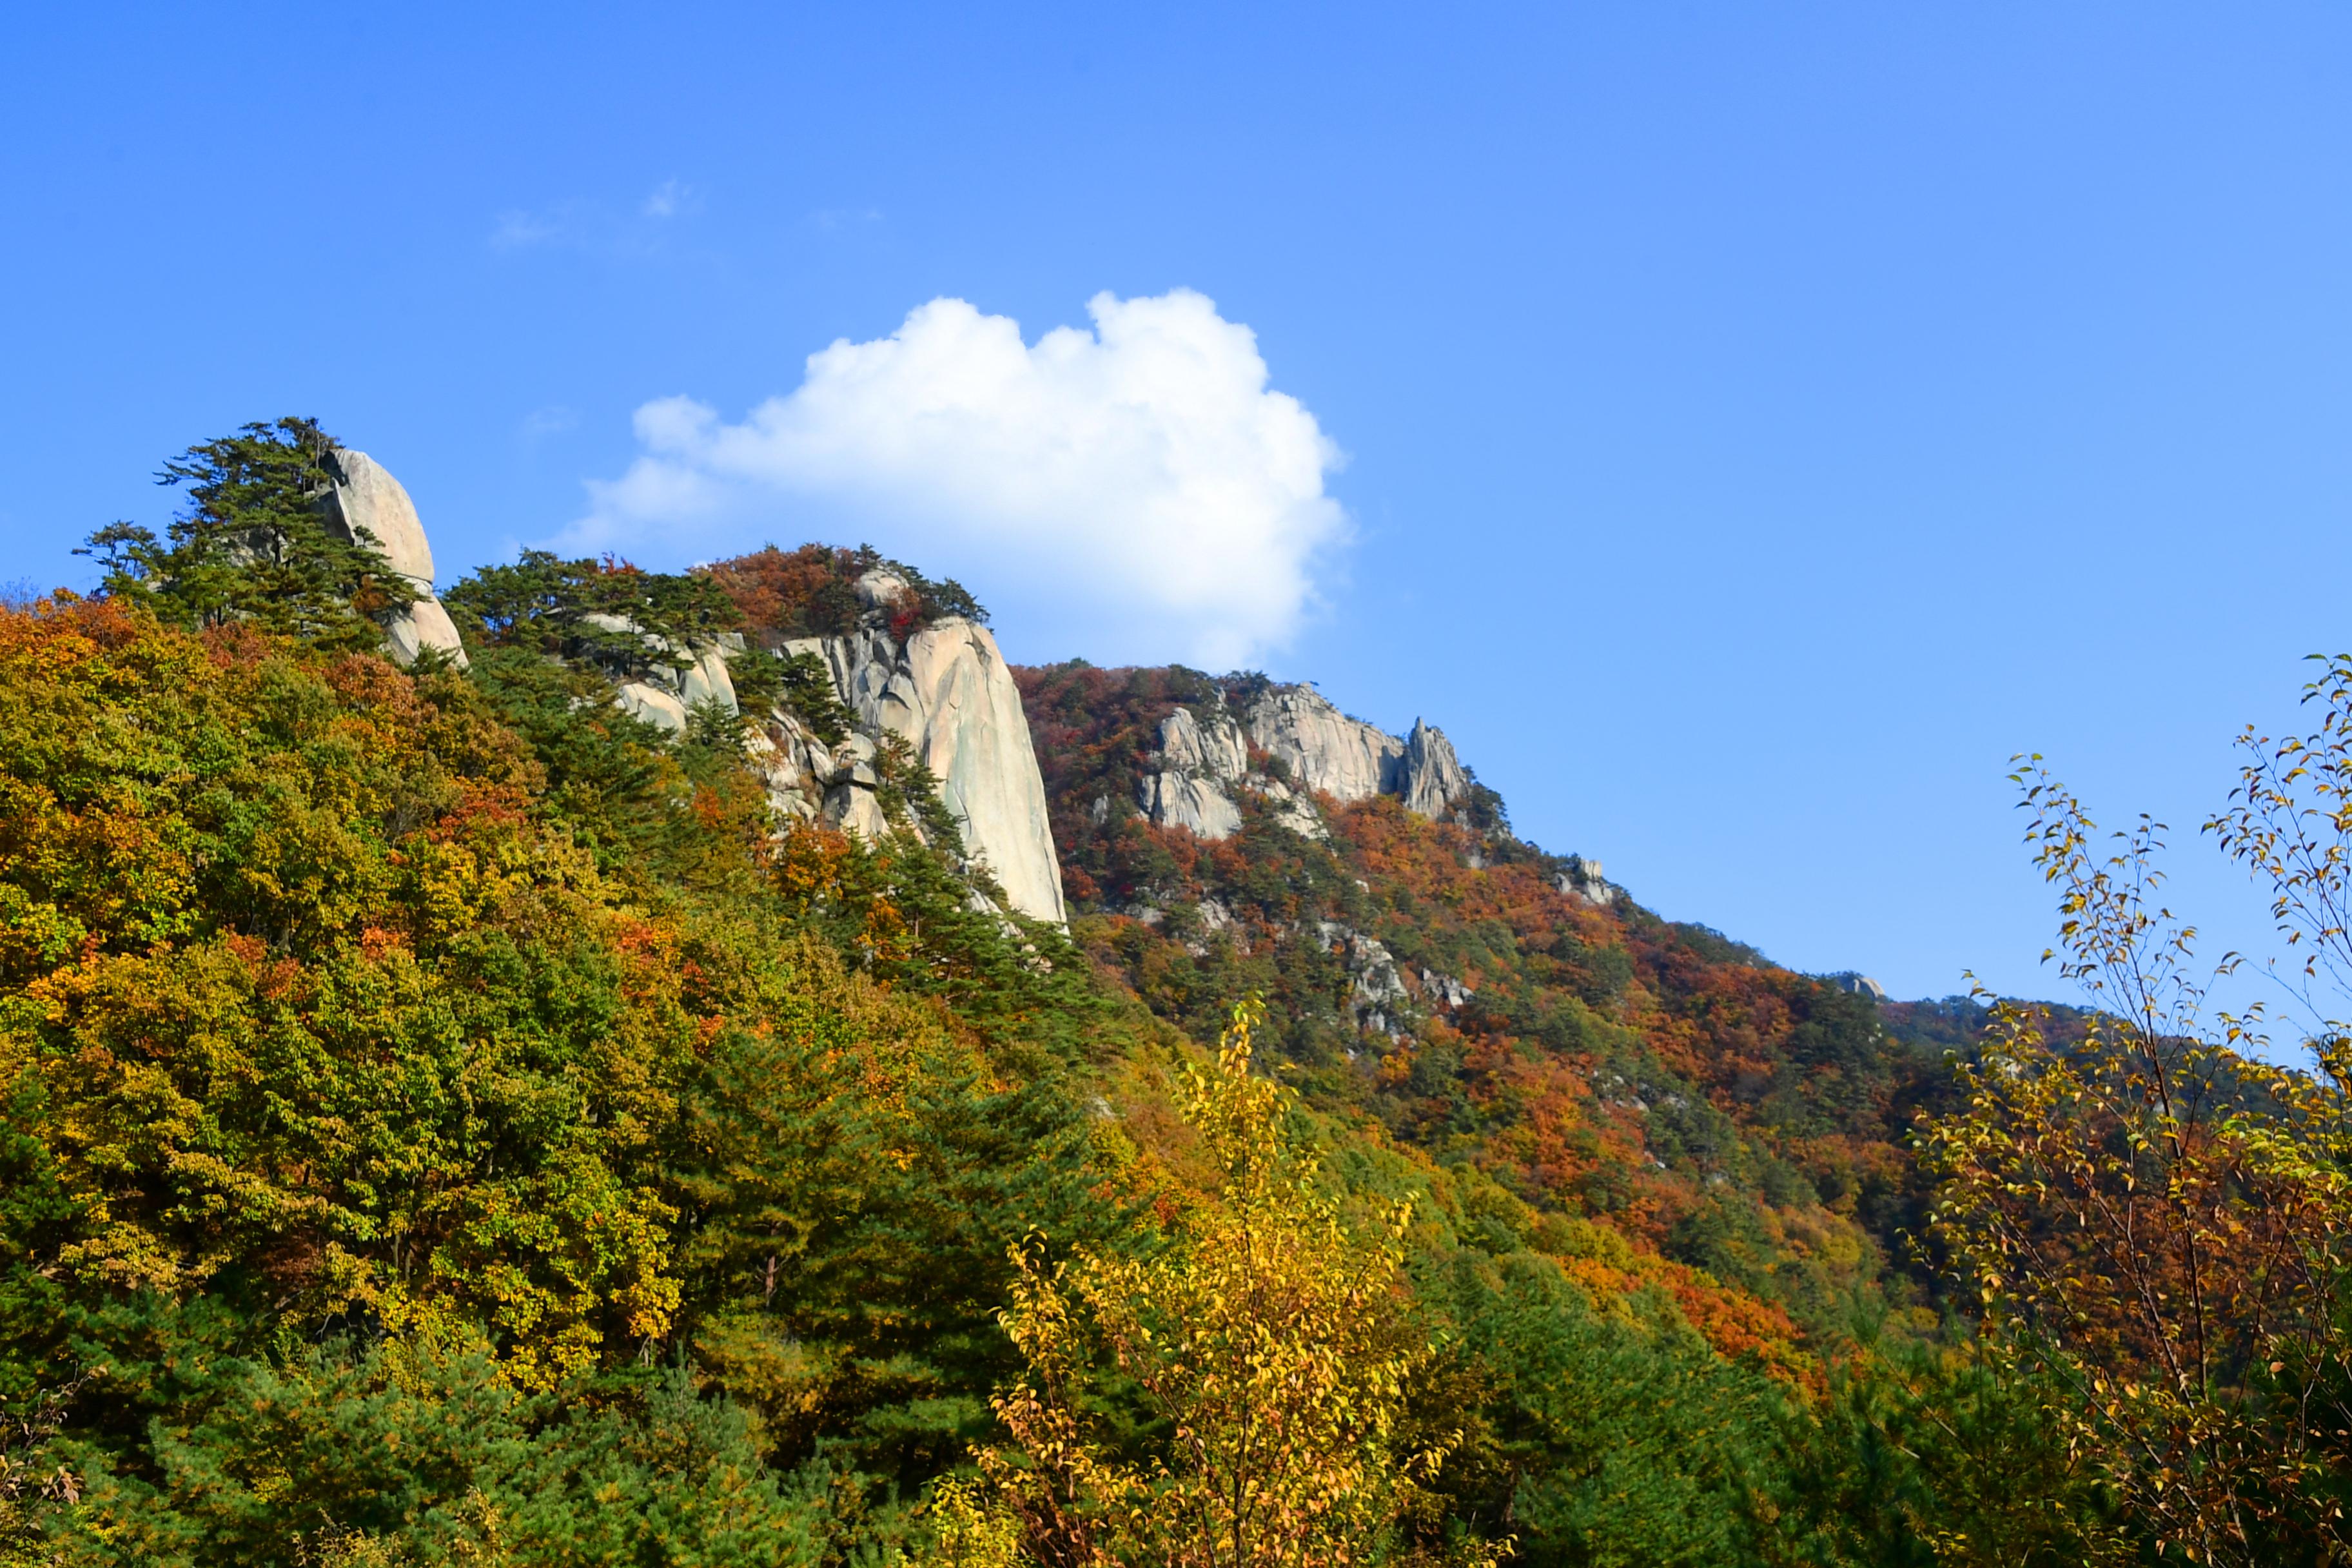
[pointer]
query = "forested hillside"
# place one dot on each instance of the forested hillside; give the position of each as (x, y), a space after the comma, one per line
(1485, 1002)
(451, 1118)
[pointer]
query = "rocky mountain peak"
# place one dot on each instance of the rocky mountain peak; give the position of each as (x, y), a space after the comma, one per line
(1206, 750)
(1429, 777)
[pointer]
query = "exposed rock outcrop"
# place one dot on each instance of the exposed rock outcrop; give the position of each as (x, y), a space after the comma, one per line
(367, 502)
(1197, 762)
(946, 692)
(1175, 799)
(1429, 776)
(1203, 763)
(1322, 747)
(1377, 993)
(1444, 991)
(1216, 749)
(679, 679)
(1582, 879)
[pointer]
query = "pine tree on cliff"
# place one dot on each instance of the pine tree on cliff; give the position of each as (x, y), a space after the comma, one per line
(253, 545)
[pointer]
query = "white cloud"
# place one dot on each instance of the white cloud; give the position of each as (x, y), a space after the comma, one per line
(1138, 487)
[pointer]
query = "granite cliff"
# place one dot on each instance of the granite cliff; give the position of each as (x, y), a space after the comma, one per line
(944, 691)
(935, 691)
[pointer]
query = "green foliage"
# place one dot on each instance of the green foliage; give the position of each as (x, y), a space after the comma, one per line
(1920, 1457)
(322, 1016)
(606, 613)
(799, 684)
(328, 1453)
(1609, 1436)
(252, 544)
(443, 1119)
(909, 793)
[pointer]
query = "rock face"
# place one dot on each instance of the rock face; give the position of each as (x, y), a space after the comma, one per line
(1323, 749)
(366, 497)
(1197, 762)
(1217, 750)
(667, 692)
(1204, 760)
(1180, 800)
(946, 692)
(1583, 879)
(1429, 776)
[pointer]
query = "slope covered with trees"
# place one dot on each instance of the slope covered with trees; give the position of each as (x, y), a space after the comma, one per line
(443, 1119)
(1461, 988)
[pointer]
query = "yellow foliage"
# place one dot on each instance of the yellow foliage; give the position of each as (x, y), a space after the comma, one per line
(1268, 1338)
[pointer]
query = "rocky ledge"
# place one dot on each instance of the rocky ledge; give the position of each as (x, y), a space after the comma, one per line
(942, 693)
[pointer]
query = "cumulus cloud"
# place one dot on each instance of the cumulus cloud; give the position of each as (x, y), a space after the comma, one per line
(1137, 485)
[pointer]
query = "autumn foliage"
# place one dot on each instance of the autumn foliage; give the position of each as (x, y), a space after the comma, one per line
(1268, 1341)
(443, 1119)
(2157, 1213)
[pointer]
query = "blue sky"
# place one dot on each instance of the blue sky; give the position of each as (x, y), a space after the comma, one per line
(1758, 421)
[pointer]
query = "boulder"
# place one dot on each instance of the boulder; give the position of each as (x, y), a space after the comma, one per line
(655, 705)
(366, 502)
(368, 498)
(706, 680)
(855, 809)
(423, 625)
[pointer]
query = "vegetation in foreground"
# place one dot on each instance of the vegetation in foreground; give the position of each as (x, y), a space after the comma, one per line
(443, 1121)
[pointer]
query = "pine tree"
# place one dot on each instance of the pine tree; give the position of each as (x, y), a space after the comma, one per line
(253, 545)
